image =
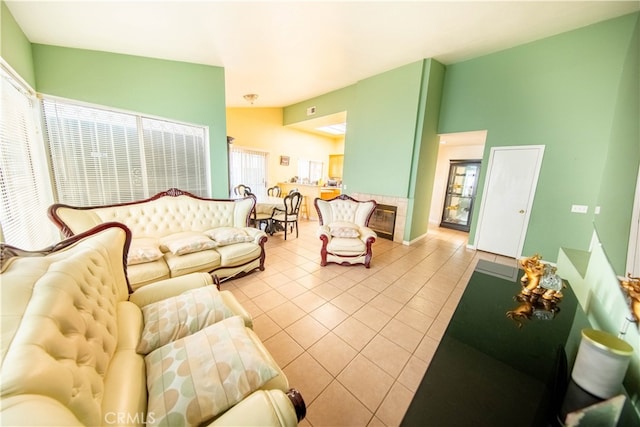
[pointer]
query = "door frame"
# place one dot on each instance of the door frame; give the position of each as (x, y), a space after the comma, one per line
(485, 189)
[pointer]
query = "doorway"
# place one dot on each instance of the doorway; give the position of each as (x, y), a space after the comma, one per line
(460, 194)
(507, 197)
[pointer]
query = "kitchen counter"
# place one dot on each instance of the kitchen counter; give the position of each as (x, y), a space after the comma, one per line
(311, 192)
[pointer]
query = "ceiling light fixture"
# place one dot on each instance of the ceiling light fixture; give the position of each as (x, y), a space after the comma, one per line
(251, 97)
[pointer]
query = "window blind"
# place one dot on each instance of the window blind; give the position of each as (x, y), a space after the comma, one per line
(100, 156)
(25, 188)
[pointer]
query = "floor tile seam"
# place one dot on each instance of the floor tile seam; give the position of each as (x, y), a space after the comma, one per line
(373, 411)
(395, 377)
(333, 378)
(387, 395)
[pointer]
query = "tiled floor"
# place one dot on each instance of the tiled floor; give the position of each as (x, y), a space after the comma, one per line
(355, 341)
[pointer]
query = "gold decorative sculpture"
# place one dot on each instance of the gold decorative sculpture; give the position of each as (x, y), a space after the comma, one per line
(631, 287)
(541, 291)
(540, 278)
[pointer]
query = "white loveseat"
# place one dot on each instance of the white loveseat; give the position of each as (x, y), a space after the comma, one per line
(344, 232)
(71, 345)
(177, 233)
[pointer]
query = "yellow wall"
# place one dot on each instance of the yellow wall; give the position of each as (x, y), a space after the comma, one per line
(262, 129)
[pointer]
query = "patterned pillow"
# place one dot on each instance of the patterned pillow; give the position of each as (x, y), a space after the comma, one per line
(177, 317)
(228, 235)
(344, 229)
(143, 250)
(194, 379)
(187, 242)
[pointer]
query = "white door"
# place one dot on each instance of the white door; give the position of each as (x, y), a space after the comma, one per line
(509, 187)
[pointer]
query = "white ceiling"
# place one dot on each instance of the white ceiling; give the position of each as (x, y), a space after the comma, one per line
(291, 51)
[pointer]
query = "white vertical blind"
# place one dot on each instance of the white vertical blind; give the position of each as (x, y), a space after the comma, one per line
(101, 156)
(25, 188)
(248, 167)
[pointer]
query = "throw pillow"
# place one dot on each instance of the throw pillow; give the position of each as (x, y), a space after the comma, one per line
(143, 250)
(187, 242)
(196, 378)
(344, 229)
(228, 235)
(170, 319)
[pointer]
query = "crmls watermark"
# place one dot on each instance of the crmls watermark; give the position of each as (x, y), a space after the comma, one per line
(119, 418)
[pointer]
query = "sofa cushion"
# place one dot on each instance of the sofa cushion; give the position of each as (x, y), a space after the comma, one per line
(149, 272)
(238, 254)
(193, 262)
(143, 249)
(195, 378)
(228, 235)
(186, 242)
(346, 246)
(179, 316)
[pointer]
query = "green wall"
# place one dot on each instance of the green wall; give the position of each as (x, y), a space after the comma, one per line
(182, 91)
(425, 156)
(621, 166)
(391, 143)
(15, 48)
(379, 144)
(330, 103)
(562, 92)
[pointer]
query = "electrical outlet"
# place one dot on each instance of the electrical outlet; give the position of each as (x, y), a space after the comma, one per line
(311, 111)
(597, 210)
(579, 209)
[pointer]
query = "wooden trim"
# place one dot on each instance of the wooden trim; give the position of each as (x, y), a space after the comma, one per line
(172, 192)
(7, 252)
(298, 403)
(345, 197)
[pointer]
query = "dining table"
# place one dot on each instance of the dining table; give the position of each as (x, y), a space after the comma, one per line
(266, 205)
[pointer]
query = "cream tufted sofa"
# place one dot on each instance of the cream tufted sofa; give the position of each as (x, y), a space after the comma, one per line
(172, 217)
(346, 237)
(70, 331)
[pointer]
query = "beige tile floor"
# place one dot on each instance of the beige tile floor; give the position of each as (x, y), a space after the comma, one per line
(355, 341)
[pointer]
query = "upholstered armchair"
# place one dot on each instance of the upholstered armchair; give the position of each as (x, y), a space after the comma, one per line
(346, 237)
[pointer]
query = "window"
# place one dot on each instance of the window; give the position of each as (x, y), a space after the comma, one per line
(248, 167)
(101, 156)
(309, 171)
(25, 188)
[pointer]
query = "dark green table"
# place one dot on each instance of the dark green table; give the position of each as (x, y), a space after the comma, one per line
(488, 371)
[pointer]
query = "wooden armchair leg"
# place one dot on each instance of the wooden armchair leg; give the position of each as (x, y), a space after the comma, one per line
(298, 403)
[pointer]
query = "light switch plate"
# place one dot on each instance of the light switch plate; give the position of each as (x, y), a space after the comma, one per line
(579, 209)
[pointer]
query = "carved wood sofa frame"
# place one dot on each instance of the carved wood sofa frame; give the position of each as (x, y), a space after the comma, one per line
(172, 192)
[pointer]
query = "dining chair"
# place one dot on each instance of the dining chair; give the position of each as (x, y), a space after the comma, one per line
(258, 218)
(274, 191)
(287, 218)
(241, 190)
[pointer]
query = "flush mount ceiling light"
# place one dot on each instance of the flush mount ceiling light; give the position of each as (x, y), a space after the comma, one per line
(251, 97)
